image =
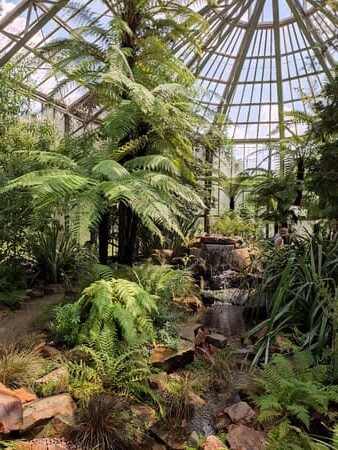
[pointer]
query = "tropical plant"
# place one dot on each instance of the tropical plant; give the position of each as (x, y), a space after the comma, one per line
(301, 282)
(131, 70)
(103, 424)
(274, 195)
(118, 306)
(233, 224)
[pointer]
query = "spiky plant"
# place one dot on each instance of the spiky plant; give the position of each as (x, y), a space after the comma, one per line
(103, 424)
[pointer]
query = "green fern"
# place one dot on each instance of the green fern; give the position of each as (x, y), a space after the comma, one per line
(289, 389)
(118, 309)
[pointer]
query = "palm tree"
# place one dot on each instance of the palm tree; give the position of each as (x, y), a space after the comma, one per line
(233, 187)
(131, 70)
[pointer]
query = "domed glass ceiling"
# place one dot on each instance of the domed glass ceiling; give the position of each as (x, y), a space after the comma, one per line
(259, 58)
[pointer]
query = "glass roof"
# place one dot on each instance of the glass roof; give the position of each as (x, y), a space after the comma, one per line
(259, 59)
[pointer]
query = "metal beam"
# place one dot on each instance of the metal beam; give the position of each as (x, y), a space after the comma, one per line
(39, 24)
(296, 9)
(231, 27)
(238, 66)
(223, 21)
(279, 78)
(14, 13)
(315, 34)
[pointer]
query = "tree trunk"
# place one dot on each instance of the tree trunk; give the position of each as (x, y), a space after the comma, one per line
(104, 234)
(232, 203)
(208, 190)
(300, 180)
(128, 224)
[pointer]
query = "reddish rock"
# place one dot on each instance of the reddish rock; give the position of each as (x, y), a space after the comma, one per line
(11, 414)
(22, 394)
(213, 443)
(44, 444)
(241, 437)
(47, 408)
(240, 259)
(57, 375)
(201, 336)
(240, 412)
(204, 353)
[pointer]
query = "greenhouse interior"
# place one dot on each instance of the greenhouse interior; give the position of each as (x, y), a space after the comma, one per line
(168, 224)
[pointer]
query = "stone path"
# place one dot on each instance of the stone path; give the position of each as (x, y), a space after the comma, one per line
(14, 324)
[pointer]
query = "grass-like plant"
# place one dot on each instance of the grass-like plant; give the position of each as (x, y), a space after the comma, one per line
(19, 367)
(302, 282)
(103, 424)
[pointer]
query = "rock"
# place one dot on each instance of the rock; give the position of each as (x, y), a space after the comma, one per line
(191, 302)
(196, 400)
(34, 293)
(60, 425)
(22, 394)
(216, 339)
(174, 440)
(48, 351)
(163, 256)
(170, 360)
(240, 412)
(188, 331)
(145, 414)
(44, 444)
(241, 437)
(213, 443)
(201, 336)
(11, 413)
(204, 353)
(47, 408)
(194, 438)
(195, 251)
(55, 375)
(240, 259)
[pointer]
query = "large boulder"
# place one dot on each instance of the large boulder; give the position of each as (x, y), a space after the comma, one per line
(22, 394)
(241, 437)
(240, 259)
(42, 410)
(11, 413)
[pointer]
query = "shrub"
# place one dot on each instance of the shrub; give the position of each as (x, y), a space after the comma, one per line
(103, 424)
(118, 305)
(232, 224)
(83, 382)
(178, 403)
(19, 367)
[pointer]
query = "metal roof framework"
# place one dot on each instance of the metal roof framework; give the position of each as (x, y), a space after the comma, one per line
(260, 59)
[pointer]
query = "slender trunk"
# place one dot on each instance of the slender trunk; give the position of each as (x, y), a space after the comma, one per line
(300, 180)
(208, 190)
(104, 233)
(232, 203)
(128, 225)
